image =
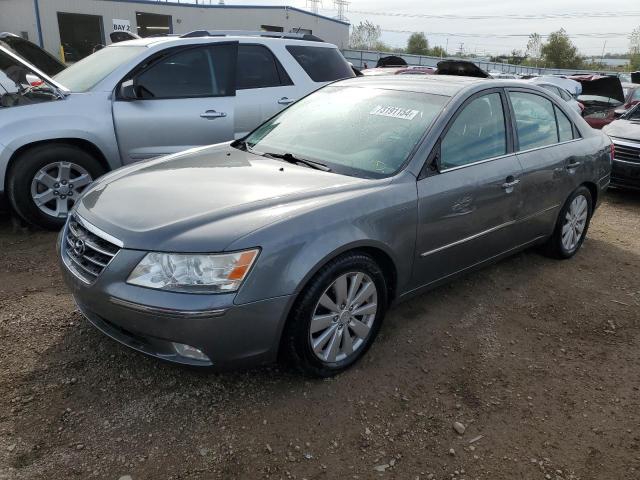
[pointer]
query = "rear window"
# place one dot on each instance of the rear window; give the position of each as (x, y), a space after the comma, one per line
(322, 64)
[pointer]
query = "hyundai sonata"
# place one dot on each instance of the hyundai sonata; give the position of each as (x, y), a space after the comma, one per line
(294, 241)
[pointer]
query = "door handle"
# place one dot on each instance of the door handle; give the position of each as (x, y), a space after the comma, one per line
(285, 101)
(209, 114)
(510, 184)
(573, 164)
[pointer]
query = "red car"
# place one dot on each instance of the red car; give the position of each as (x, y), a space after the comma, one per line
(601, 97)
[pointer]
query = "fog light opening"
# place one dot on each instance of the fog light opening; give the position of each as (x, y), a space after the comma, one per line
(189, 352)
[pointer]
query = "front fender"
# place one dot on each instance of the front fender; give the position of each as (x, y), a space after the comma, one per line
(295, 248)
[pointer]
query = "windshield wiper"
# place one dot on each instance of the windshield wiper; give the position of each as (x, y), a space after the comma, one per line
(288, 157)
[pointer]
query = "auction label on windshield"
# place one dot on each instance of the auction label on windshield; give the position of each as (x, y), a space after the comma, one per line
(395, 112)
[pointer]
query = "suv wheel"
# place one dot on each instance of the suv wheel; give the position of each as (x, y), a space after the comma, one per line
(337, 316)
(46, 180)
(572, 225)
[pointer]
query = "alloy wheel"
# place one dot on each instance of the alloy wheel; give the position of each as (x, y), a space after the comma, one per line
(574, 223)
(56, 187)
(343, 317)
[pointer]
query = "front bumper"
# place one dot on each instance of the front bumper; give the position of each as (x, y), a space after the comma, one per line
(625, 174)
(151, 321)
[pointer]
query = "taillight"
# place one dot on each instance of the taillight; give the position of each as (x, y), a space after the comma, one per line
(613, 152)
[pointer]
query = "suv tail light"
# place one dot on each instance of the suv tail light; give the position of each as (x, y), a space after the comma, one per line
(613, 152)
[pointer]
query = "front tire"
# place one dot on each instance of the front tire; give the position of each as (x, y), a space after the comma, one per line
(337, 316)
(572, 225)
(46, 180)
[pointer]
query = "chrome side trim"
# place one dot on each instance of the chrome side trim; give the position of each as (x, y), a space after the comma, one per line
(218, 312)
(486, 232)
(549, 146)
(100, 233)
(490, 159)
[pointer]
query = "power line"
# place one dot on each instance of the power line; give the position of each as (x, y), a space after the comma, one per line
(542, 16)
(510, 35)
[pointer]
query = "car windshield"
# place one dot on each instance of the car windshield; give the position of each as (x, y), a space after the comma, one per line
(366, 132)
(633, 114)
(86, 73)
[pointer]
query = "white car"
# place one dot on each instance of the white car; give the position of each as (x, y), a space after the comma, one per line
(142, 99)
(561, 92)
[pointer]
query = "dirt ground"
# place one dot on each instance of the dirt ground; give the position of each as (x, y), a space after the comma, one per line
(538, 359)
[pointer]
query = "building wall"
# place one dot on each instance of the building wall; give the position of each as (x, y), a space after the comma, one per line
(16, 15)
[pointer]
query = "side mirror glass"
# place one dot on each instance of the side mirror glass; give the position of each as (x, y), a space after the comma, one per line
(128, 90)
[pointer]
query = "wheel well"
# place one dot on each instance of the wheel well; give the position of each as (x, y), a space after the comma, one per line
(77, 142)
(593, 190)
(387, 266)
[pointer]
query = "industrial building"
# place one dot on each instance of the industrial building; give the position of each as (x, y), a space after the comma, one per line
(78, 26)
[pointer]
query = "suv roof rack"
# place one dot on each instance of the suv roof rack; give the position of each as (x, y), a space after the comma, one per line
(247, 33)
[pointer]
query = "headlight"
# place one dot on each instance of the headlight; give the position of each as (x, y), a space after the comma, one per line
(193, 273)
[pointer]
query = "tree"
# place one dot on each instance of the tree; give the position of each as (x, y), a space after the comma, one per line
(560, 52)
(365, 36)
(418, 44)
(634, 49)
(438, 52)
(534, 47)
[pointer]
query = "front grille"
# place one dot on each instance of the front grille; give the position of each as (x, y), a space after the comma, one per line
(628, 152)
(87, 254)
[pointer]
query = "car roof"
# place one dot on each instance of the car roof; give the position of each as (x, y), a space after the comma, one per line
(434, 84)
(170, 41)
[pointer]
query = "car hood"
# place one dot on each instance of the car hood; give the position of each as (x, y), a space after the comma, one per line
(623, 129)
(204, 199)
(601, 86)
(7, 54)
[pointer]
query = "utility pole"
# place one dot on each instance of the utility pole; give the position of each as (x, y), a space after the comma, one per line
(602, 58)
(314, 5)
(341, 6)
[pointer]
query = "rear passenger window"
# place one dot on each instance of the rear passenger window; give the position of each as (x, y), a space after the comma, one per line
(535, 120)
(259, 68)
(565, 127)
(477, 133)
(322, 64)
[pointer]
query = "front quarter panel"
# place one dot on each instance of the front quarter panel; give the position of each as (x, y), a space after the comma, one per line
(85, 116)
(295, 248)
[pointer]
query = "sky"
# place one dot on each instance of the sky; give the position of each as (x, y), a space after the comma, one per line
(480, 34)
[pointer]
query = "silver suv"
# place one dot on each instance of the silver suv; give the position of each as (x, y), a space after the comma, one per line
(141, 99)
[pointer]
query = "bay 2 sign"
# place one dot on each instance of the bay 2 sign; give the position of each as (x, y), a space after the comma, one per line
(121, 25)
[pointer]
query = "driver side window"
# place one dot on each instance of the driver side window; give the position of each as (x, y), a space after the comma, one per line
(477, 133)
(196, 72)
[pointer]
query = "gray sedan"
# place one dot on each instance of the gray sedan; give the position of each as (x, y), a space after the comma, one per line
(294, 241)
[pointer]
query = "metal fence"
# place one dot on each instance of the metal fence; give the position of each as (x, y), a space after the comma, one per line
(361, 57)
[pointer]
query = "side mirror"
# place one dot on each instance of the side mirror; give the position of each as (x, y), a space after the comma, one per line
(619, 112)
(128, 90)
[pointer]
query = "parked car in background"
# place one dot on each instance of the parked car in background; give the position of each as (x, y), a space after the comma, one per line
(601, 97)
(460, 68)
(631, 96)
(572, 86)
(625, 134)
(294, 240)
(562, 93)
(407, 70)
(146, 98)
(31, 53)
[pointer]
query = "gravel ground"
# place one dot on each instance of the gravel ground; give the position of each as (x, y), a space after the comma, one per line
(537, 359)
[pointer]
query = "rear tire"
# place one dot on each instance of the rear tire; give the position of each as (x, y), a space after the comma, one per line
(571, 226)
(337, 316)
(41, 186)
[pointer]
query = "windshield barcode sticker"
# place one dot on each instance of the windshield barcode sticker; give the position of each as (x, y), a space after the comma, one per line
(395, 112)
